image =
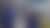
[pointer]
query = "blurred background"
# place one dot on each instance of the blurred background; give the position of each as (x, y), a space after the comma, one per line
(24, 14)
